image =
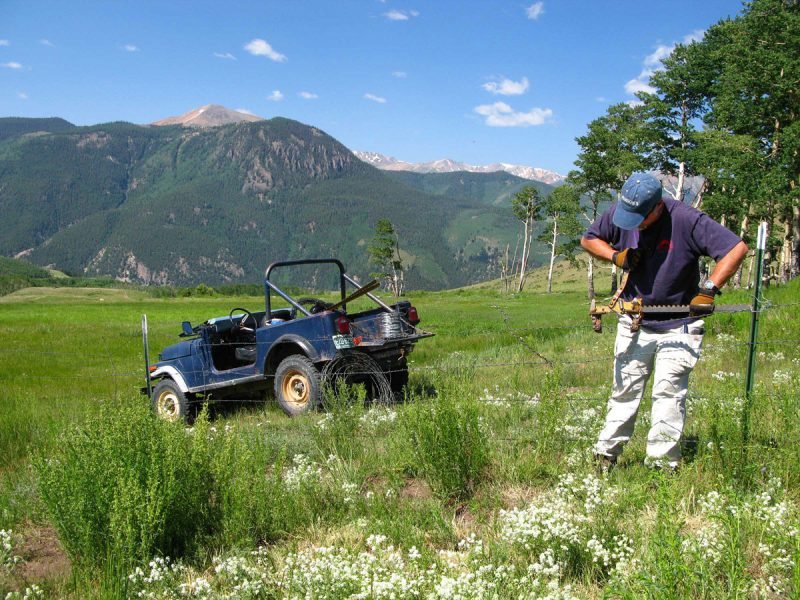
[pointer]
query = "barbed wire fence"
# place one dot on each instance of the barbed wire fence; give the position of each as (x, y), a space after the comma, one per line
(106, 365)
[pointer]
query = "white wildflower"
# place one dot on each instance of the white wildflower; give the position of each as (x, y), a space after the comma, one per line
(302, 472)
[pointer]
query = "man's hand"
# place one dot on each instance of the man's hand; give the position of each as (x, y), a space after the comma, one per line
(702, 303)
(627, 259)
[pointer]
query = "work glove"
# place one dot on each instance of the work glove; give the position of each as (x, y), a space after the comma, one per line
(627, 259)
(702, 303)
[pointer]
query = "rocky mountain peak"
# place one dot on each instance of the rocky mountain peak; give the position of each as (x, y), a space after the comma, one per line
(210, 115)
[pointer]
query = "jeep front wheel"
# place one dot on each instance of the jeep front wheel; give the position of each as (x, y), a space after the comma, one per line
(169, 402)
(297, 385)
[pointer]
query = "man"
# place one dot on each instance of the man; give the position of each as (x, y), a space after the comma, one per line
(658, 242)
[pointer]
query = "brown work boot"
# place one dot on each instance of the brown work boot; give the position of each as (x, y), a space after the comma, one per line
(664, 466)
(604, 463)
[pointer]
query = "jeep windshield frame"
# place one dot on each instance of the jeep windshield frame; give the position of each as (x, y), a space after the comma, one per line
(270, 287)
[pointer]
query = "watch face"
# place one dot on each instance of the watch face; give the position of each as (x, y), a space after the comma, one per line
(708, 285)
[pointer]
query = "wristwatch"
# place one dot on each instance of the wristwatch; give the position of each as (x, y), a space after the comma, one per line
(709, 287)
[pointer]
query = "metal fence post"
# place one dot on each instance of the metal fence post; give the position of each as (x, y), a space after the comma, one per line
(146, 356)
(751, 359)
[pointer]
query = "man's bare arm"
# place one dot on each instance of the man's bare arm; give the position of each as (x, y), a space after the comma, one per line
(728, 264)
(598, 248)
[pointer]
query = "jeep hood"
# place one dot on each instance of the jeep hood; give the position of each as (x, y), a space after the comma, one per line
(176, 351)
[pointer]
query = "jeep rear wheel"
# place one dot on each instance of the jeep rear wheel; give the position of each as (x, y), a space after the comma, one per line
(297, 385)
(169, 402)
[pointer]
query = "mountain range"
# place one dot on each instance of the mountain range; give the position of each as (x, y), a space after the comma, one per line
(215, 195)
(446, 165)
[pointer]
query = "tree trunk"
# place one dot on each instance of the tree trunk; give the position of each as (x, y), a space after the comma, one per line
(552, 256)
(524, 258)
(737, 278)
(698, 200)
(513, 269)
(681, 181)
(794, 269)
(398, 276)
(785, 261)
(504, 271)
(750, 265)
(590, 267)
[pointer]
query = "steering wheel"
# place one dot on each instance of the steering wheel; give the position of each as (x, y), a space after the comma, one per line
(245, 317)
(315, 304)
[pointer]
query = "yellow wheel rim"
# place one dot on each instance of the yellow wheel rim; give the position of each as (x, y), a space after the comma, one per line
(296, 388)
(167, 405)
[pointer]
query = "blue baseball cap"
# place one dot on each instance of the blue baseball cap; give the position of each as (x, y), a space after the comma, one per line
(639, 195)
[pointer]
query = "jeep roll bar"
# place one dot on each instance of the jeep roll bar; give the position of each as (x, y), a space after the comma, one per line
(269, 286)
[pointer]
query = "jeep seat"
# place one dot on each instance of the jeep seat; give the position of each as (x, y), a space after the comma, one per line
(245, 354)
(282, 314)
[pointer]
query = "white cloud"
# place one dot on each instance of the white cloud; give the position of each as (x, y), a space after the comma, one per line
(653, 62)
(12, 65)
(374, 98)
(130, 48)
(275, 96)
(5, 43)
(399, 74)
(47, 43)
(225, 55)
(501, 114)
(696, 36)
(640, 84)
(400, 15)
(507, 87)
(308, 95)
(259, 47)
(22, 95)
(535, 10)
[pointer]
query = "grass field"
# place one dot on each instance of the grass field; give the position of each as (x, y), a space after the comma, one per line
(480, 484)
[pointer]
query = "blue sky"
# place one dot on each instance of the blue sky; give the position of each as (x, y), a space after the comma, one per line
(477, 82)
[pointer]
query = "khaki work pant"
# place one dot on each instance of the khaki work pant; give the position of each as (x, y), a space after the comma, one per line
(669, 356)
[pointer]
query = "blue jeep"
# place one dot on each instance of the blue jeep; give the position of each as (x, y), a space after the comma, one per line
(292, 350)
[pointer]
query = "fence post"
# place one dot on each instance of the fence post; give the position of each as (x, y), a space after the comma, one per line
(146, 356)
(751, 359)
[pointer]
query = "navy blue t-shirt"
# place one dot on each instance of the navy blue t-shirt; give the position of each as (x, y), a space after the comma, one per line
(669, 271)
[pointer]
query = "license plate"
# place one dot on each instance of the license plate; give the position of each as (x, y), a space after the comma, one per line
(343, 341)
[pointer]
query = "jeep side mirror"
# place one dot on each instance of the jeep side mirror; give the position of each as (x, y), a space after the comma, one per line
(187, 328)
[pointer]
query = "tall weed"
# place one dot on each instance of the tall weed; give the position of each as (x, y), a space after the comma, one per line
(444, 441)
(125, 487)
(337, 434)
(252, 502)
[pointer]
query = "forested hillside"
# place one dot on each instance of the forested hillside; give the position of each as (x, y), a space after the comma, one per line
(172, 205)
(14, 126)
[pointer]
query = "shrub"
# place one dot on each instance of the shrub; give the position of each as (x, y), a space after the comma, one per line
(125, 487)
(128, 486)
(445, 443)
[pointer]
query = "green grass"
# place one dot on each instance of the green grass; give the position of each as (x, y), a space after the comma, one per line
(504, 404)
